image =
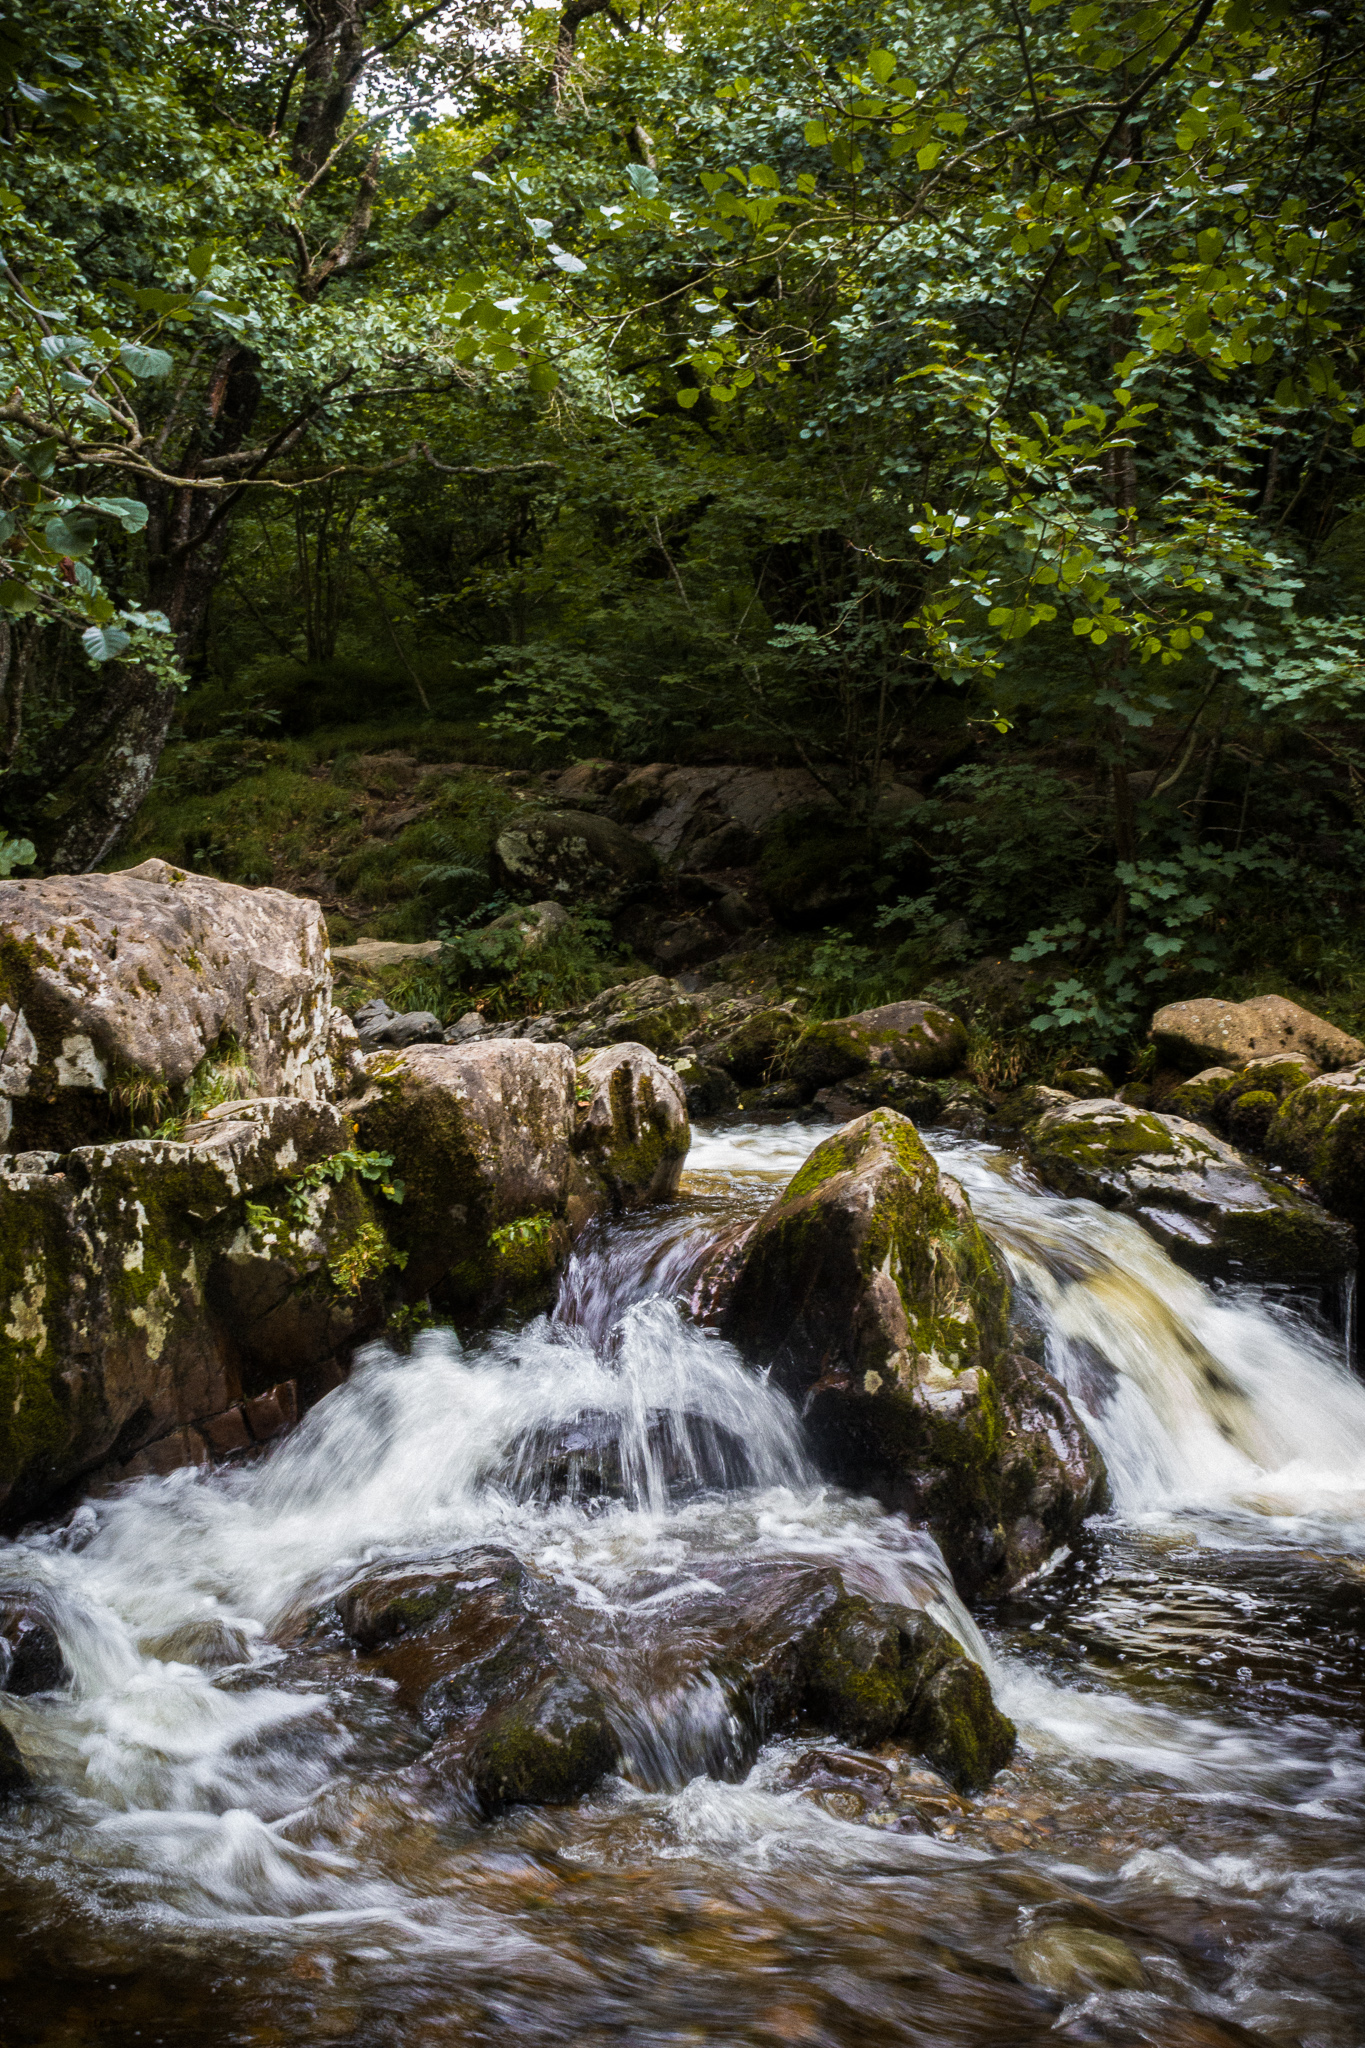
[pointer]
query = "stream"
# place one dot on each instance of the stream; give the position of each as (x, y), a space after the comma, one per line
(229, 1848)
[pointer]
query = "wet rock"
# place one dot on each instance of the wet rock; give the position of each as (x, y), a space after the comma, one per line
(138, 978)
(15, 1778)
(1210, 1208)
(871, 1295)
(633, 1132)
(479, 1651)
(587, 1458)
(574, 856)
(1072, 1961)
(31, 1658)
(903, 1038)
(777, 1096)
(211, 1643)
(795, 1646)
(1211, 1032)
(485, 1135)
(1318, 1131)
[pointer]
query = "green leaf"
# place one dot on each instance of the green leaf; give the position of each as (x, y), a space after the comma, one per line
(688, 397)
(816, 133)
(542, 377)
(104, 643)
(141, 361)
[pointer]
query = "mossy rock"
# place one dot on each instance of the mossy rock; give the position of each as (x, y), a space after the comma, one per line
(1086, 1083)
(1249, 1115)
(878, 1673)
(633, 1131)
(1214, 1212)
(1198, 1098)
(1319, 1133)
(905, 1038)
(752, 1049)
(545, 1748)
(871, 1295)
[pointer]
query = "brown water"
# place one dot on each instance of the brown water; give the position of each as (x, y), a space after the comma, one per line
(227, 1848)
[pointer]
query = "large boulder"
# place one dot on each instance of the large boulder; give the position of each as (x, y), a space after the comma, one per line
(115, 989)
(903, 1038)
(145, 1297)
(1210, 1208)
(1213, 1033)
(633, 1132)
(572, 856)
(1318, 1131)
(484, 1136)
(870, 1294)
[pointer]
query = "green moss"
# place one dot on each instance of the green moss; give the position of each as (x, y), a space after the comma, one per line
(35, 1291)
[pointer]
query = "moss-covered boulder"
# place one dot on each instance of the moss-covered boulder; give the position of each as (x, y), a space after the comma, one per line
(633, 1131)
(1212, 1210)
(752, 1047)
(149, 1287)
(1198, 1098)
(573, 857)
(1210, 1032)
(870, 1293)
(1318, 1131)
(796, 1646)
(708, 1090)
(482, 1134)
(904, 1038)
(115, 989)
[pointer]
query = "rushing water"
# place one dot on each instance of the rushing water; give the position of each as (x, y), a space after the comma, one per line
(229, 1849)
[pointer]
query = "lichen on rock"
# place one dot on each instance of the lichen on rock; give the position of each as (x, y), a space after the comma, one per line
(870, 1293)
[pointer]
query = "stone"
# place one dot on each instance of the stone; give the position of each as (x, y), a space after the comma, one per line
(795, 1645)
(154, 1283)
(471, 1025)
(410, 1027)
(906, 1038)
(1197, 1099)
(31, 1657)
(709, 817)
(1318, 1131)
(1208, 1206)
(111, 982)
(230, 1152)
(537, 923)
(15, 1778)
(271, 1413)
(871, 1296)
(485, 1134)
(225, 1433)
(373, 956)
(1086, 1083)
(633, 1131)
(572, 855)
(1210, 1032)
(476, 1649)
(751, 1046)
(1072, 1961)
(708, 1091)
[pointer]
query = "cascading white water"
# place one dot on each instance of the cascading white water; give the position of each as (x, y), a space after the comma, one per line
(206, 1777)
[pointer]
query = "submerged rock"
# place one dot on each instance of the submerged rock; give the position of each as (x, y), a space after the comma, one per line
(121, 986)
(1210, 1208)
(870, 1293)
(633, 1133)
(1071, 1961)
(1211, 1032)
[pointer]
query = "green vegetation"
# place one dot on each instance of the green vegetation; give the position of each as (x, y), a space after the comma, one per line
(957, 401)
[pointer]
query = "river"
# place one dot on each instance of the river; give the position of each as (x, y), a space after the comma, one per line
(230, 1848)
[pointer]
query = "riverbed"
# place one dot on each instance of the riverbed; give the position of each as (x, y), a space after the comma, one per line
(232, 1847)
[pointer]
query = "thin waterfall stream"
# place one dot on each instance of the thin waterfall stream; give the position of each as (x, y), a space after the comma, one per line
(231, 1848)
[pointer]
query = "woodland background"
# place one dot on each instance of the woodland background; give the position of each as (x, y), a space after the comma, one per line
(962, 397)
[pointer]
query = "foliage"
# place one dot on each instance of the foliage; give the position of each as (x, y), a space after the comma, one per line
(367, 1256)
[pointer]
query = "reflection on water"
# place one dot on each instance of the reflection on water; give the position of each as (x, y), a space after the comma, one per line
(230, 1848)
